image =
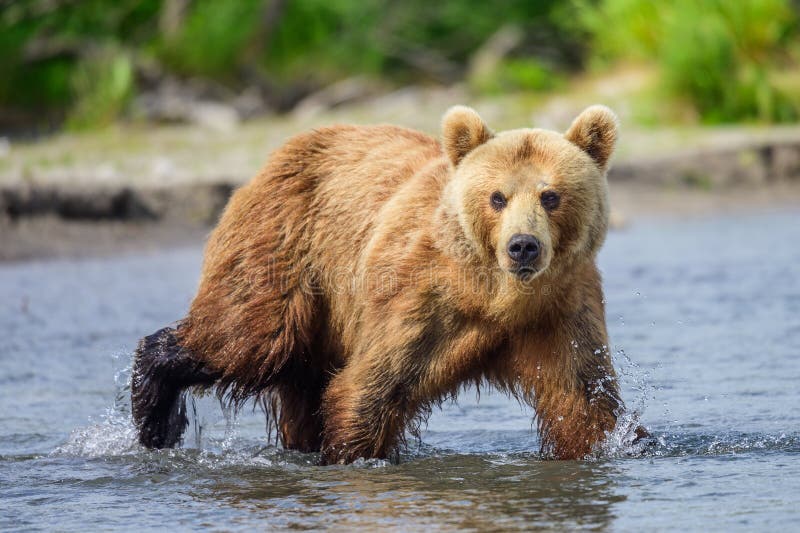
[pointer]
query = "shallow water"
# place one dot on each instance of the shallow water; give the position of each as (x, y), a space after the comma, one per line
(703, 316)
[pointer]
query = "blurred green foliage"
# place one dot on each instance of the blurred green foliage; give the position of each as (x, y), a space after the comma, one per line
(83, 60)
(104, 84)
(519, 74)
(725, 57)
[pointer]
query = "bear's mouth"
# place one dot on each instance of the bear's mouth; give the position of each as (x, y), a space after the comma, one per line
(524, 272)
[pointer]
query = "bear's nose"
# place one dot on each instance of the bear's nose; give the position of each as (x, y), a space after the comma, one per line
(523, 249)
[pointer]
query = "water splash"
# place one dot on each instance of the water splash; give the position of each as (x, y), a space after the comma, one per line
(625, 440)
(114, 433)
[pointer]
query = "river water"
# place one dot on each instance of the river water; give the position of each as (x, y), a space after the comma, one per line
(704, 316)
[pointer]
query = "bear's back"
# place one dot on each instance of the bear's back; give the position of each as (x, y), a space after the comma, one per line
(357, 170)
(306, 218)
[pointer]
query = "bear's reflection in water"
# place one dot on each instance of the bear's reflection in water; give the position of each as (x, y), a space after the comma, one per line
(455, 491)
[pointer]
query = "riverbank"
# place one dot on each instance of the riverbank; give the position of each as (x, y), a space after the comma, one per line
(50, 236)
(136, 187)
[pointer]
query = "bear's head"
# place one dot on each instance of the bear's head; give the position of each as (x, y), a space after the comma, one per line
(529, 201)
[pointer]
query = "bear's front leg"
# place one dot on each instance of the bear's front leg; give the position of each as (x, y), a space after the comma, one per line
(565, 372)
(366, 408)
(576, 410)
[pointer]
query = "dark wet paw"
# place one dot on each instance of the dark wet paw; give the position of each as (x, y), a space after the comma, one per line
(644, 439)
(157, 402)
(159, 413)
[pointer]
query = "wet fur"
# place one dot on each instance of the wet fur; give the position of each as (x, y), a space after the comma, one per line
(354, 283)
(162, 371)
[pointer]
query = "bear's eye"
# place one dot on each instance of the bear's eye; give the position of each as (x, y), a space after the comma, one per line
(497, 200)
(550, 200)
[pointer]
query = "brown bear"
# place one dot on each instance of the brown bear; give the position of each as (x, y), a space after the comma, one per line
(368, 272)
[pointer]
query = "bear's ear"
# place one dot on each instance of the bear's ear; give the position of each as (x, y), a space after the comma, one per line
(595, 132)
(463, 130)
